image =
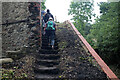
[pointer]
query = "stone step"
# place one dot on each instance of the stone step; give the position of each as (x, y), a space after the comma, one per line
(49, 57)
(6, 60)
(44, 36)
(45, 77)
(46, 70)
(45, 51)
(48, 47)
(47, 39)
(46, 44)
(48, 63)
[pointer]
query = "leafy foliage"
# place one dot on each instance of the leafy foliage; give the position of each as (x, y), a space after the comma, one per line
(105, 32)
(43, 5)
(103, 35)
(82, 13)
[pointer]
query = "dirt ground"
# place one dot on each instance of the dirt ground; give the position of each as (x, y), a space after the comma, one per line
(75, 62)
(19, 69)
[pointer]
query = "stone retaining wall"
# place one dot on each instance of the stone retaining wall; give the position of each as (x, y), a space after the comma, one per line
(14, 36)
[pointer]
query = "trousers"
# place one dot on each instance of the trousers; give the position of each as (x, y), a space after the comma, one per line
(50, 36)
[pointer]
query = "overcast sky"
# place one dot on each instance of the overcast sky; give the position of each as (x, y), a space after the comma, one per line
(59, 8)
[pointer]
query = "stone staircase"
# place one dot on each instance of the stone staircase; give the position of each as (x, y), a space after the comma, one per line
(47, 61)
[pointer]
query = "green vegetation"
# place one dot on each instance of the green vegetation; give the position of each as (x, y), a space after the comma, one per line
(11, 74)
(82, 58)
(62, 45)
(82, 13)
(103, 35)
(105, 32)
(43, 5)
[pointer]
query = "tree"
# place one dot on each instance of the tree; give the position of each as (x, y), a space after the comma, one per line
(106, 32)
(43, 5)
(82, 13)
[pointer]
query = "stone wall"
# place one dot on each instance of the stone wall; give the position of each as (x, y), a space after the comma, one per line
(0, 29)
(14, 36)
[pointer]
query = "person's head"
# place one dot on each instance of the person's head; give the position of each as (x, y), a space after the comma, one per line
(43, 12)
(48, 11)
(50, 19)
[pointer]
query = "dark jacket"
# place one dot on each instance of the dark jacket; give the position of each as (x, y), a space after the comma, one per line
(47, 16)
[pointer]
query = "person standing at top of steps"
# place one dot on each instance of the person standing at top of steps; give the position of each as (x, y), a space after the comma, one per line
(47, 16)
(50, 29)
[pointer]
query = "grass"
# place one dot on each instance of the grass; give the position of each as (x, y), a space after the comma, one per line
(62, 45)
(7, 74)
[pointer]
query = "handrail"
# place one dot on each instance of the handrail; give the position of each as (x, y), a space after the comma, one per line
(102, 64)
